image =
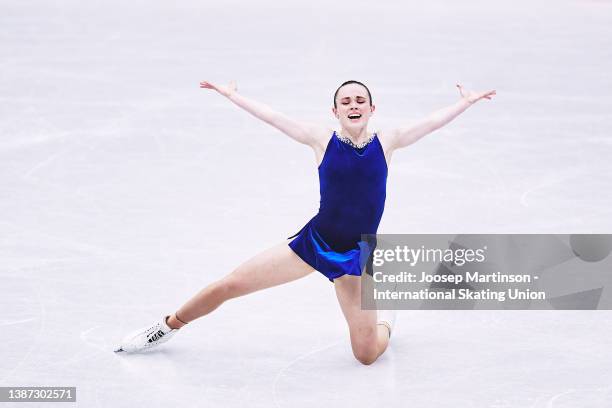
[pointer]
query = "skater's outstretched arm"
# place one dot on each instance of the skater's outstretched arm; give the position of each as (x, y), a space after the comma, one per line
(303, 132)
(407, 135)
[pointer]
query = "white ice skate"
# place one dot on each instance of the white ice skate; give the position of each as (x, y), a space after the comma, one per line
(387, 318)
(147, 337)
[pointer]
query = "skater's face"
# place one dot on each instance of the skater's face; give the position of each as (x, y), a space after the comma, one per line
(353, 106)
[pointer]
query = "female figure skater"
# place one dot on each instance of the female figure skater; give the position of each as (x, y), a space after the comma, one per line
(352, 165)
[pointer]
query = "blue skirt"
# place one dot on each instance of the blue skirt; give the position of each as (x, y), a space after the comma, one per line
(310, 246)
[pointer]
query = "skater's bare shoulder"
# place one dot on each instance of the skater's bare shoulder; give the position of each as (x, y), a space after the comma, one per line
(385, 137)
(319, 139)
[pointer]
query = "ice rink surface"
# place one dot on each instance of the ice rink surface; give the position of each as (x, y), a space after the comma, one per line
(124, 188)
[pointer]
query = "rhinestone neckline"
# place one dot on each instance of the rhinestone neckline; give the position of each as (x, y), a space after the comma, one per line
(352, 144)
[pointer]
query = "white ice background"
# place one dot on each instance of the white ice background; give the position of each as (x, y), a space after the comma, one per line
(124, 188)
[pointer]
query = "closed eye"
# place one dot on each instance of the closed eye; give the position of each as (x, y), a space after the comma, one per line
(359, 99)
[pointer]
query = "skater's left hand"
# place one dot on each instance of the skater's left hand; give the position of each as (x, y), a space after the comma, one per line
(472, 96)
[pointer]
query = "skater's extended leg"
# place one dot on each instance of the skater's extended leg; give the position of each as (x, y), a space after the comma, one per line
(368, 339)
(272, 267)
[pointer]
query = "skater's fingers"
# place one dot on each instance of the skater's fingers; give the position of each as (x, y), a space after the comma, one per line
(460, 88)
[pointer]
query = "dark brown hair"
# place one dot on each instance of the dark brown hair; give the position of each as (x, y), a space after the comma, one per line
(352, 82)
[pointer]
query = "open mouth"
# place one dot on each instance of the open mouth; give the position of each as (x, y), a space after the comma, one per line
(354, 116)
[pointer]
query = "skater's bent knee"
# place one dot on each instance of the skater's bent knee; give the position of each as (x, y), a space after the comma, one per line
(366, 358)
(365, 353)
(363, 335)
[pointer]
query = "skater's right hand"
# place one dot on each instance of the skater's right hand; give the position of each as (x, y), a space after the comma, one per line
(223, 90)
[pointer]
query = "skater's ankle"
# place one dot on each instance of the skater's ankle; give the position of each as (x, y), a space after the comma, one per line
(173, 322)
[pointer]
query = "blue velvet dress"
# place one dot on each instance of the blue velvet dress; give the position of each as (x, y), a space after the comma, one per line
(353, 185)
